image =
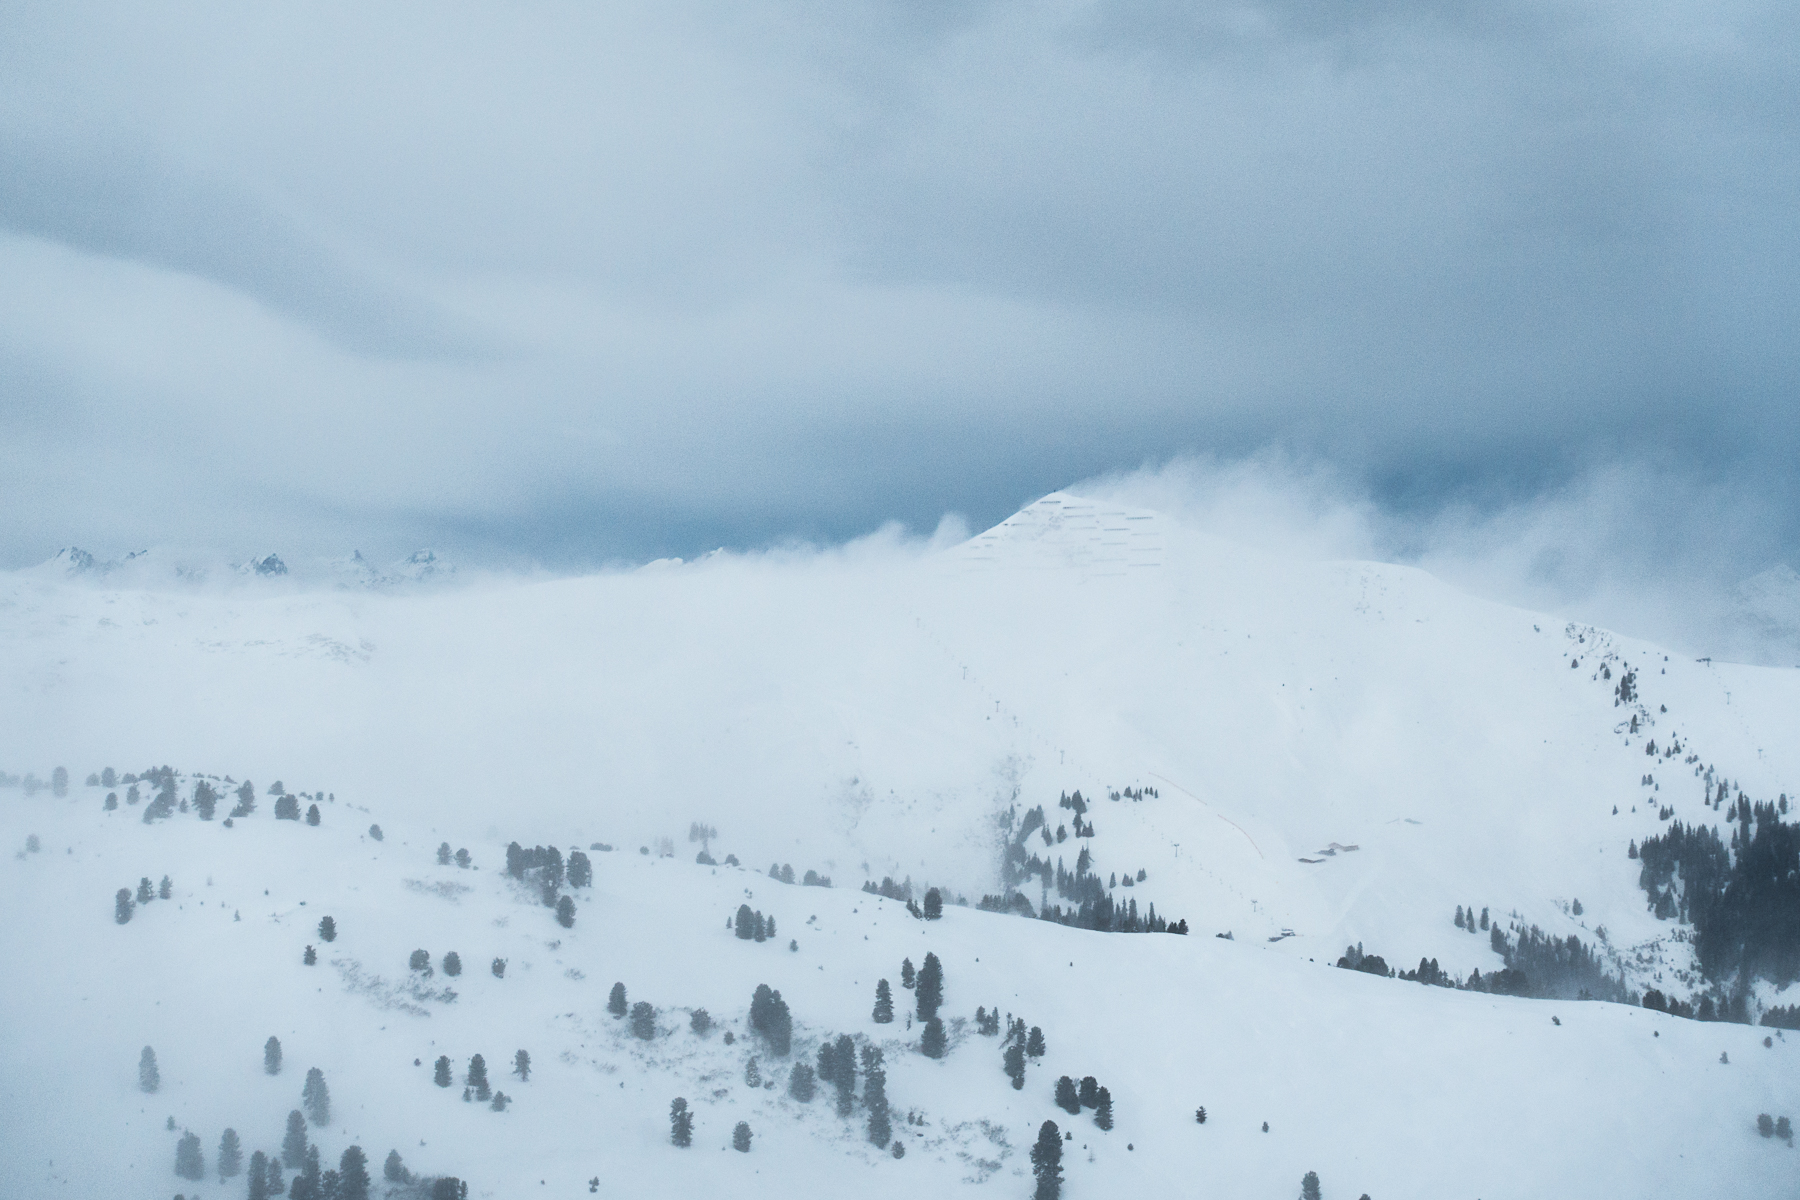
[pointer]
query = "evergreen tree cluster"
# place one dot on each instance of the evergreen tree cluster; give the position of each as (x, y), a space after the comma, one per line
(889, 889)
(1105, 916)
(769, 1017)
(837, 1066)
(752, 926)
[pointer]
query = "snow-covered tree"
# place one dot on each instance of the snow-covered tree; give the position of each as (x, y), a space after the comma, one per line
(932, 1042)
(930, 987)
(353, 1175)
(881, 1130)
(740, 1137)
(615, 1001)
(293, 1144)
(190, 1163)
(884, 1003)
(1013, 1062)
(315, 1097)
(231, 1154)
(272, 1056)
(149, 1078)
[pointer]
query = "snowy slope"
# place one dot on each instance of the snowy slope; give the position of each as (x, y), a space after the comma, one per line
(870, 712)
(1346, 751)
(1382, 1087)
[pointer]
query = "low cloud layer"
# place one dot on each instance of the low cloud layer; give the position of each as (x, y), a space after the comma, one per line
(541, 284)
(1646, 551)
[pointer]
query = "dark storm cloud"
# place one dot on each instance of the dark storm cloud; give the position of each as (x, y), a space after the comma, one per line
(586, 282)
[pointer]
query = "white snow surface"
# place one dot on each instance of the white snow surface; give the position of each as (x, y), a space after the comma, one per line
(865, 712)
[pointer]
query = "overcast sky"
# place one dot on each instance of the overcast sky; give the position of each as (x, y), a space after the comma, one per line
(578, 283)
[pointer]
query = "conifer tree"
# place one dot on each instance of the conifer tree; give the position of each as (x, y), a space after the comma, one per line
(165, 889)
(1014, 1063)
(419, 960)
(272, 1056)
(1034, 1045)
(315, 1097)
(452, 963)
(881, 1130)
(740, 1137)
(444, 854)
(259, 1184)
(353, 1175)
(843, 1073)
(1103, 1109)
(700, 1022)
(800, 1083)
(441, 1076)
(884, 1003)
(310, 1184)
(145, 892)
(1090, 1091)
(149, 1078)
(498, 967)
(565, 912)
(1066, 1097)
(581, 869)
(934, 905)
(522, 1066)
(272, 1176)
(310, 957)
(1309, 1186)
(681, 1123)
(122, 906)
(828, 1061)
(907, 978)
(327, 929)
(930, 987)
(312, 815)
(293, 1146)
(643, 1021)
(746, 923)
(478, 1077)
(189, 1162)
(932, 1043)
(231, 1154)
(1046, 1162)
(615, 1001)
(394, 1169)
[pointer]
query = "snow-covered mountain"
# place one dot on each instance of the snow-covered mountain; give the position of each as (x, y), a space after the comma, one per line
(1301, 755)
